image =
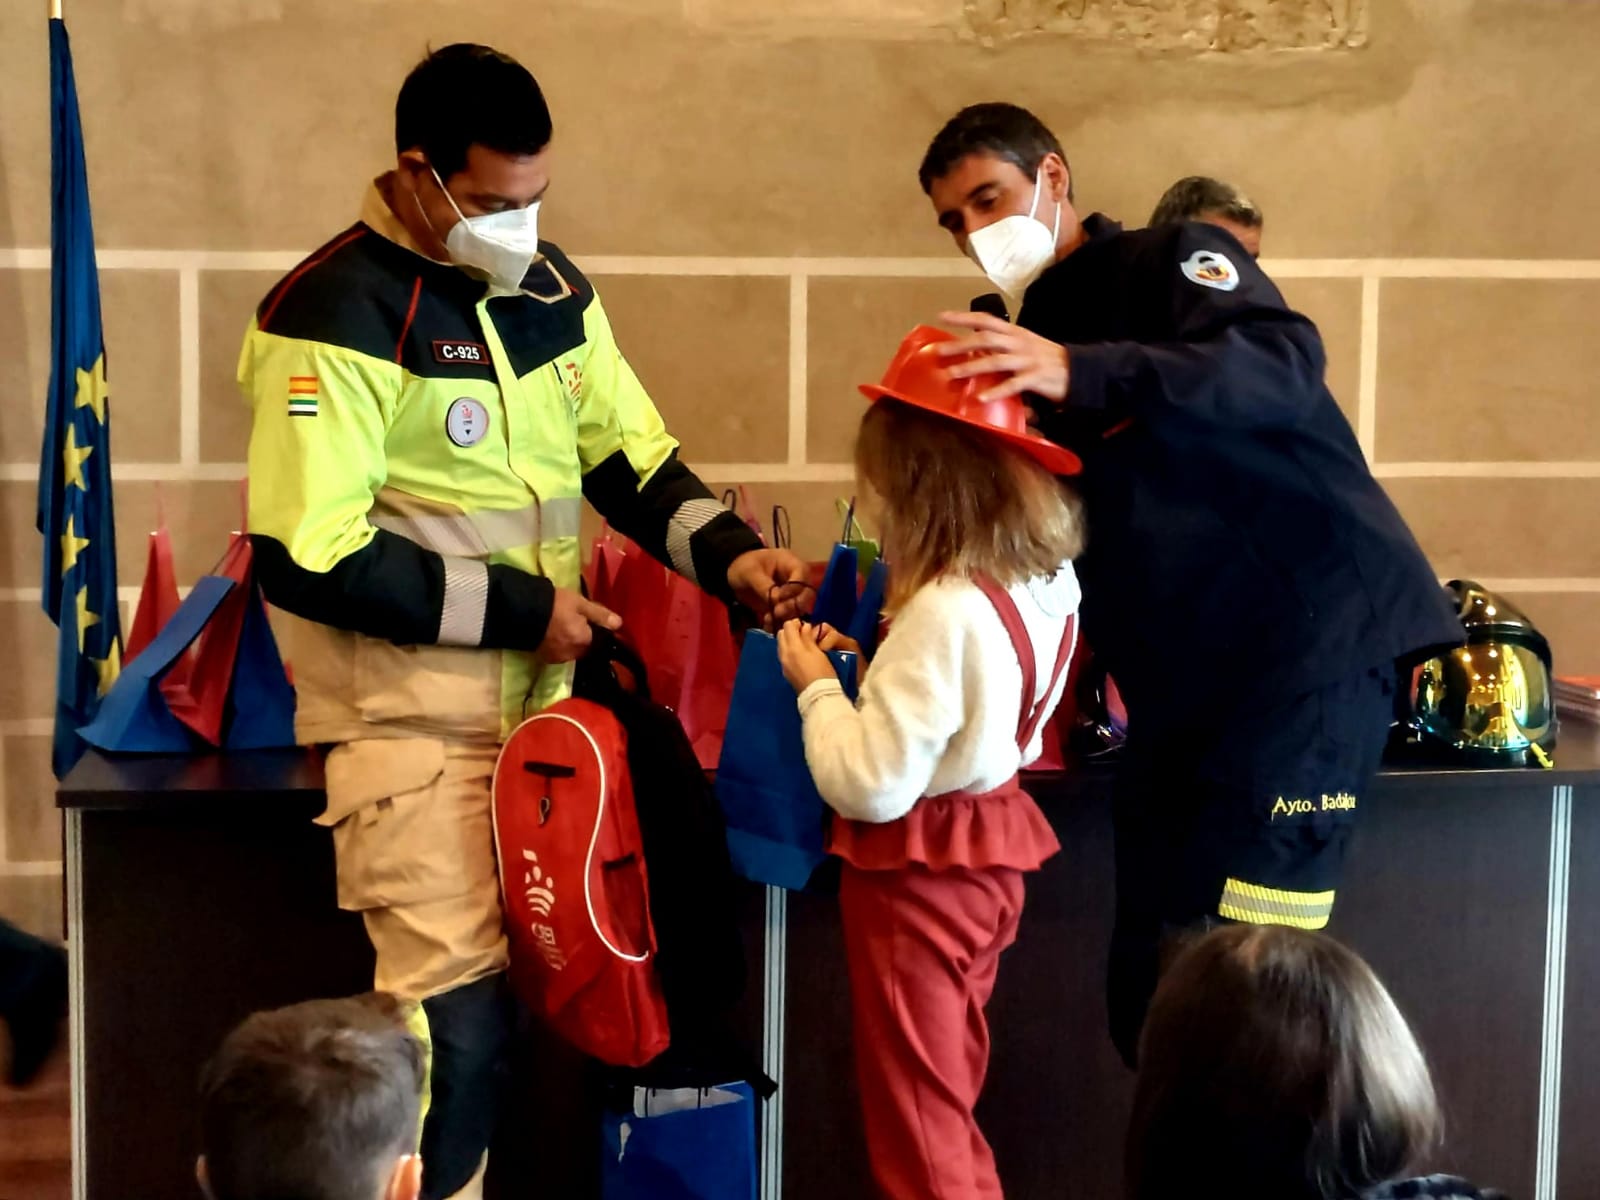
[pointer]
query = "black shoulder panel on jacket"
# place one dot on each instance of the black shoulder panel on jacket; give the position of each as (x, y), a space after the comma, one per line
(356, 292)
(535, 333)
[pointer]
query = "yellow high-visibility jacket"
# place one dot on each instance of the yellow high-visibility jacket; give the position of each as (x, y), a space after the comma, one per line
(419, 458)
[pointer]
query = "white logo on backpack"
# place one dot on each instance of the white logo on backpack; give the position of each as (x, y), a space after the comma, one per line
(539, 891)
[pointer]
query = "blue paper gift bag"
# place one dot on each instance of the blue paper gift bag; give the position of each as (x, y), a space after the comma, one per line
(682, 1144)
(850, 606)
(774, 814)
(836, 597)
(863, 626)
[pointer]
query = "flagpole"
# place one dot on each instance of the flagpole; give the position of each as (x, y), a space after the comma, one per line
(55, 10)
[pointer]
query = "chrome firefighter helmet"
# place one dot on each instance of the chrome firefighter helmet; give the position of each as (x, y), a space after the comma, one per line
(1489, 703)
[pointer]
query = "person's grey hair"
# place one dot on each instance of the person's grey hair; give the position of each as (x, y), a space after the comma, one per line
(1199, 195)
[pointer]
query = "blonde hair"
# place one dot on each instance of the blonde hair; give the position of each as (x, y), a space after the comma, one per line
(1273, 1061)
(956, 501)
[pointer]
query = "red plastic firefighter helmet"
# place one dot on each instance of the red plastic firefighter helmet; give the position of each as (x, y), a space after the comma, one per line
(920, 377)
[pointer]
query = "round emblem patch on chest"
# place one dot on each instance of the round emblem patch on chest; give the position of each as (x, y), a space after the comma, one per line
(467, 422)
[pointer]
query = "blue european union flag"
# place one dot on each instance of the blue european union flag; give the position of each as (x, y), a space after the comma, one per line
(80, 552)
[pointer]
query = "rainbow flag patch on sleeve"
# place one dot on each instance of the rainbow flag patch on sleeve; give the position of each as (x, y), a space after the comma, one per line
(303, 395)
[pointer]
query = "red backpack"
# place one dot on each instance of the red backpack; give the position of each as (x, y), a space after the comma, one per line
(574, 886)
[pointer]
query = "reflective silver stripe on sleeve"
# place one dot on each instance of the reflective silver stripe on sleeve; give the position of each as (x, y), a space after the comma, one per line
(692, 516)
(466, 603)
(454, 537)
(487, 531)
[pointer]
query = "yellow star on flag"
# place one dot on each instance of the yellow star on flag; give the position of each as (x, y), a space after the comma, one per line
(71, 545)
(73, 459)
(92, 391)
(108, 668)
(86, 619)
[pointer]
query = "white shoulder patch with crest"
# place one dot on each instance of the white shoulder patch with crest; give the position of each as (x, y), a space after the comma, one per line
(1210, 269)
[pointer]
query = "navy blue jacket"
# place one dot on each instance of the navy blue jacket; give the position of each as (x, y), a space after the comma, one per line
(1239, 548)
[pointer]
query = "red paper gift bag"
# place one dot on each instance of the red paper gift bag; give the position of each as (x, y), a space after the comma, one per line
(708, 680)
(599, 575)
(681, 634)
(158, 596)
(200, 701)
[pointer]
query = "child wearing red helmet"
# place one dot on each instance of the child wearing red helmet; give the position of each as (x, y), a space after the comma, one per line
(934, 831)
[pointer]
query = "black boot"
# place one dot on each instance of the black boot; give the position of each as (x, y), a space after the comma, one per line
(33, 999)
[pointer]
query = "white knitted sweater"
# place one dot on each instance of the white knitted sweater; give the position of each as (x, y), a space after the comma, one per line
(938, 709)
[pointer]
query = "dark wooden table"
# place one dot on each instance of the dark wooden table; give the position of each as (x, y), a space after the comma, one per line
(199, 890)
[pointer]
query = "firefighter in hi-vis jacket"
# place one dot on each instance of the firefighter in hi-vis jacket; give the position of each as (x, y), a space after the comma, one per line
(436, 393)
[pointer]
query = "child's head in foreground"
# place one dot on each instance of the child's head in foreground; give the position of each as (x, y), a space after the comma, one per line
(1274, 1063)
(316, 1101)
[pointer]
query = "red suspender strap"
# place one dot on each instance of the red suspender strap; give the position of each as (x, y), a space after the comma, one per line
(1006, 608)
(1069, 642)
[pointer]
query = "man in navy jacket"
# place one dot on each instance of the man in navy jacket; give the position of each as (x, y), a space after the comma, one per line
(1247, 583)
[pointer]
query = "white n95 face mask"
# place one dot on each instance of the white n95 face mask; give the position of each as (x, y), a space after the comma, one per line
(500, 246)
(1015, 250)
